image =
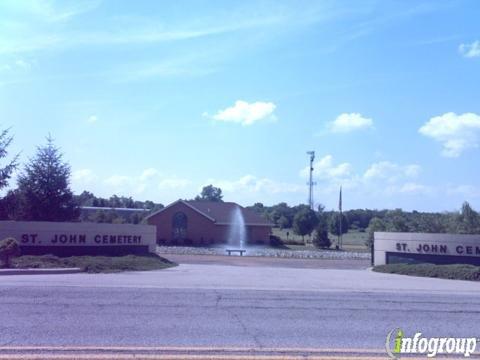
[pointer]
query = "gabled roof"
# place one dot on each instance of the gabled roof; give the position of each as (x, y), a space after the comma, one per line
(221, 212)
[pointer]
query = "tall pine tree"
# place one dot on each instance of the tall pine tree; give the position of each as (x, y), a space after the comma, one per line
(6, 171)
(43, 188)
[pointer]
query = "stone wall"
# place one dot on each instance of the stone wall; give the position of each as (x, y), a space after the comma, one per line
(63, 238)
(422, 247)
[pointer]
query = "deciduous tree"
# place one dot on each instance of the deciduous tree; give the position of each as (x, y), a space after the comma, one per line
(210, 193)
(304, 221)
(376, 224)
(334, 225)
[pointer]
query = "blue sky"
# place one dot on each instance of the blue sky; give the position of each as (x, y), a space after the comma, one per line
(154, 99)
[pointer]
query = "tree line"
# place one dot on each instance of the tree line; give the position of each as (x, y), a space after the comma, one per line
(43, 193)
(304, 221)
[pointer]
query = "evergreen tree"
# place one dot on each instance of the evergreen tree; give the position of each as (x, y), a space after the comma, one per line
(7, 203)
(320, 237)
(6, 171)
(43, 188)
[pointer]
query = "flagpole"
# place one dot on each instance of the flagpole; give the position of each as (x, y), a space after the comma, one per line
(340, 222)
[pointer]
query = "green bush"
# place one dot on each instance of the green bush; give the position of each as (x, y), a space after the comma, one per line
(320, 236)
(275, 241)
(454, 271)
(8, 248)
(95, 264)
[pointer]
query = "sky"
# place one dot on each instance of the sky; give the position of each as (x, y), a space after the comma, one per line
(155, 99)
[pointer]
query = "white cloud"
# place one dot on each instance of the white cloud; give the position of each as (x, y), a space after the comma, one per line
(379, 179)
(470, 50)
(350, 122)
(50, 11)
(150, 179)
(92, 119)
(414, 188)
(467, 191)
(390, 171)
(19, 64)
(149, 173)
(119, 180)
(5, 67)
(253, 184)
(325, 168)
(39, 21)
(23, 64)
(406, 189)
(83, 176)
(245, 113)
(456, 133)
(173, 183)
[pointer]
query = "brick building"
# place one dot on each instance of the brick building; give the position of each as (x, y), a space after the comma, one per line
(205, 222)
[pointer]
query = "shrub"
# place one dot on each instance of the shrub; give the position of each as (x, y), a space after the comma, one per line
(320, 236)
(95, 264)
(454, 271)
(275, 241)
(8, 248)
(321, 239)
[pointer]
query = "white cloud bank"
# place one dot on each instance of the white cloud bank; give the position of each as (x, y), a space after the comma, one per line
(470, 50)
(150, 178)
(456, 133)
(245, 113)
(325, 169)
(253, 184)
(391, 171)
(345, 123)
(83, 177)
(150, 183)
(378, 184)
(92, 119)
(383, 178)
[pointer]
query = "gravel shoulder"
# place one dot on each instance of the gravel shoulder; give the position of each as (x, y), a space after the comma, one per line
(259, 251)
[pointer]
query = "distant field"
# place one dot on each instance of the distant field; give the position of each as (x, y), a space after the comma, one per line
(352, 241)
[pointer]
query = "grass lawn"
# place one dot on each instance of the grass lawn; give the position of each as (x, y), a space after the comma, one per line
(455, 271)
(94, 264)
(352, 241)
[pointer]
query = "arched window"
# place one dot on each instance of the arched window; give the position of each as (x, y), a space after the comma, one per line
(179, 226)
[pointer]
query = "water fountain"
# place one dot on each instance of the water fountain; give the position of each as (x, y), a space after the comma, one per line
(237, 233)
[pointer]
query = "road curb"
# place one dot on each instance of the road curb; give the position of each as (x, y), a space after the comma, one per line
(51, 271)
(182, 353)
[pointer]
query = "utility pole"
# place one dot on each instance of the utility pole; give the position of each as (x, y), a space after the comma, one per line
(311, 183)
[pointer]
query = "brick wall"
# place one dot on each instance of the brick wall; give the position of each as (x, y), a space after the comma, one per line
(200, 229)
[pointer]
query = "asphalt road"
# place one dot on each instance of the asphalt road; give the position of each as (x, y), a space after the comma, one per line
(229, 306)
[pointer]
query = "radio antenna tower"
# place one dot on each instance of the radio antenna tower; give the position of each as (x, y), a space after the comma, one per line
(311, 183)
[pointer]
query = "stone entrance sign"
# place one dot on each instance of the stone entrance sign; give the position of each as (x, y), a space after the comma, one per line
(80, 238)
(391, 247)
